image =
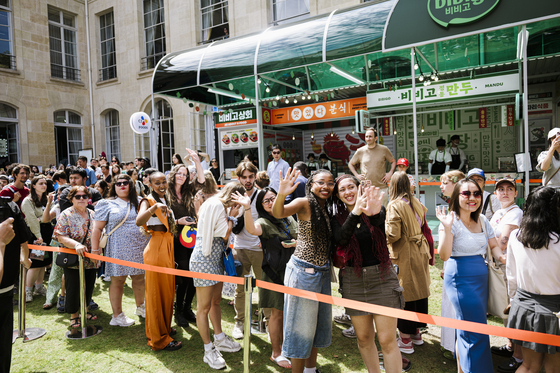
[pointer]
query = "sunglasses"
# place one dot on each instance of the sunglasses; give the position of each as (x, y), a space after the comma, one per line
(467, 194)
(268, 200)
(121, 183)
(81, 196)
(275, 152)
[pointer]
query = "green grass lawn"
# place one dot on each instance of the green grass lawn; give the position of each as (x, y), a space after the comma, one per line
(122, 350)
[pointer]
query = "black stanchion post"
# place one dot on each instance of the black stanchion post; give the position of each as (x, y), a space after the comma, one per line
(86, 330)
(28, 334)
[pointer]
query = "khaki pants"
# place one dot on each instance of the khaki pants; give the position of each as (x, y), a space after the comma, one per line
(385, 200)
(249, 259)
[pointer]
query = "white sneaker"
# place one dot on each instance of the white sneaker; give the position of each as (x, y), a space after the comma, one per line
(227, 344)
(350, 332)
(41, 290)
(121, 320)
(141, 311)
(237, 332)
(28, 296)
(343, 319)
(214, 359)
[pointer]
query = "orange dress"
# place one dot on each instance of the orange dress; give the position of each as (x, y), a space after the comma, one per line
(160, 288)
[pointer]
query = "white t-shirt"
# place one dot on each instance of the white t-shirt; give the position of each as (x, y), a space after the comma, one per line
(244, 240)
(509, 216)
(535, 271)
(548, 174)
(466, 243)
(438, 156)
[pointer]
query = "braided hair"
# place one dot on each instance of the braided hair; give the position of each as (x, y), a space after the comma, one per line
(170, 220)
(320, 226)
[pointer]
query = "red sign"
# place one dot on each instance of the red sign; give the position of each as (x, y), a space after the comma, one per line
(510, 115)
(387, 126)
(482, 117)
(321, 111)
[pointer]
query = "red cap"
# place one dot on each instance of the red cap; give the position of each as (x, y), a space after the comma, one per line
(403, 161)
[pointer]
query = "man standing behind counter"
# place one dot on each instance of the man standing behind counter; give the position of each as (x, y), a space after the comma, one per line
(371, 159)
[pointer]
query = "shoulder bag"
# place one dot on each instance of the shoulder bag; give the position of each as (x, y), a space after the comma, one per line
(498, 298)
(65, 260)
(105, 237)
(233, 267)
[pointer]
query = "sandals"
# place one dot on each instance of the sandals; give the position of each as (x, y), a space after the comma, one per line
(47, 306)
(172, 332)
(173, 345)
(91, 316)
(75, 323)
(282, 359)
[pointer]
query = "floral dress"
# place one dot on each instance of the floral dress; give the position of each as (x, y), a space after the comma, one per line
(71, 224)
(127, 242)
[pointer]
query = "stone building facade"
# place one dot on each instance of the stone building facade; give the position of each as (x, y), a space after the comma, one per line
(72, 74)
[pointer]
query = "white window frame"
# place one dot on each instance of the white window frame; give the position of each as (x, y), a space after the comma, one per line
(150, 60)
(205, 32)
(107, 71)
(66, 124)
(113, 144)
(14, 121)
(75, 75)
(11, 63)
(197, 129)
(297, 17)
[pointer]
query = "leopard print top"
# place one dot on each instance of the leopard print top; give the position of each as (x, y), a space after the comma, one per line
(316, 253)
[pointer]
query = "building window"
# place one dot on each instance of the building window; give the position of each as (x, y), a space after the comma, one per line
(108, 51)
(68, 136)
(112, 134)
(154, 33)
(7, 58)
(8, 135)
(63, 45)
(215, 24)
(198, 132)
(162, 123)
(285, 11)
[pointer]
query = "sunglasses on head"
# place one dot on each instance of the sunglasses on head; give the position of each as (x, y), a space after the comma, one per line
(81, 196)
(467, 194)
(121, 183)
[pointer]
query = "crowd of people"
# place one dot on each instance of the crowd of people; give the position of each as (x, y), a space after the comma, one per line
(289, 226)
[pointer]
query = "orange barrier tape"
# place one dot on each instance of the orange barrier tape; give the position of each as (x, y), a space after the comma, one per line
(500, 331)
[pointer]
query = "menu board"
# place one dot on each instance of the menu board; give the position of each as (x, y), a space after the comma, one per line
(240, 138)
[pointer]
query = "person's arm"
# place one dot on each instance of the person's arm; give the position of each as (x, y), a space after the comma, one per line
(504, 236)
(342, 234)
(205, 157)
(63, 199)
(252, 227)
(199, 170)
(24, 256)
(354, 162)
(7, 234)
(93, 177)
(554, 146)
(511, 269)
(30, 219)
(233, 212)
(388, 175)
(145, 212)
(48, 213)
(447, 158)
(287, 187)
(445, 236)
(96, 236)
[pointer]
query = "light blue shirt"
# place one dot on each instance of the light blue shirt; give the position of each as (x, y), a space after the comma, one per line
(273, 171)
(91, 177)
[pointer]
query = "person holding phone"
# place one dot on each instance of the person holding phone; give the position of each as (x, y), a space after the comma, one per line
(278, 240)
(158, 221)
(548, 161)
(181, 195)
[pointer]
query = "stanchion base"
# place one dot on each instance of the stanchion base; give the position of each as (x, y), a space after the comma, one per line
(29, 334)
(91, 331)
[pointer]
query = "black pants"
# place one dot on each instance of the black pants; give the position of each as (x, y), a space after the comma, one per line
(72, 283)
(409, 327)
(185, 285)
(6, 329)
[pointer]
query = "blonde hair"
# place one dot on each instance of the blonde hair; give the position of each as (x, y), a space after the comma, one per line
(210, 186)
(454, 176)
(225, 194)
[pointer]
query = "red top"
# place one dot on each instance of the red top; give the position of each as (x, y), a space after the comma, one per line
(10, 190)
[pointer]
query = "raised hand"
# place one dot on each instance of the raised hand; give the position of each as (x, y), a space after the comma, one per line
(193, 155)
(374, 201)
(361, 201)
(445, 218)
(242, 200)
(287, 185)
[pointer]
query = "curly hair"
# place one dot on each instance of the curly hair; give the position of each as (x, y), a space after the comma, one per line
(539, 219)
(188, 190)
(320, 226)
(132, 195)
(34, 197)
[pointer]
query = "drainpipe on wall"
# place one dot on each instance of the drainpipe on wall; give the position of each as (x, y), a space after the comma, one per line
(90, 83)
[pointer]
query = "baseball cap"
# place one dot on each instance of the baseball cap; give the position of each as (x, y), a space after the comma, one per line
(402, 161)
(476, 172)
(507, 180)
(553, 132)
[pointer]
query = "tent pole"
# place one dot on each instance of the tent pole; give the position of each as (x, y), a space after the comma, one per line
(413, 74)
(526, 110)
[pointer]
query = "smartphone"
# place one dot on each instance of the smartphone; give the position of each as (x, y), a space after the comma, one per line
(189, 219)
(288, 242)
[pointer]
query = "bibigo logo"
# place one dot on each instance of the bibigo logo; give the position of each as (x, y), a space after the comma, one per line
(457, 12)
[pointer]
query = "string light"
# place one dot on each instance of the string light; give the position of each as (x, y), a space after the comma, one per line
(422, 130)
(421, 78)
(259, 80)
(278, 97)
(312, 137)
(267, 88)
(287, 101)
(416, 66)
(293, 136)
(295, 100)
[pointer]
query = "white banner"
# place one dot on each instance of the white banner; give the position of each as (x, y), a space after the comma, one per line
(240, 138)
(445, 91)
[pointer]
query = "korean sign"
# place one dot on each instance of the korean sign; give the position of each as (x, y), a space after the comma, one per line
(235, 118)
(322, 111)
(457, 12)
(540, 107)
(445, 91)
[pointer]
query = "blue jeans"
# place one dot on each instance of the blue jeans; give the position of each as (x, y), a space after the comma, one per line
(307, 323)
